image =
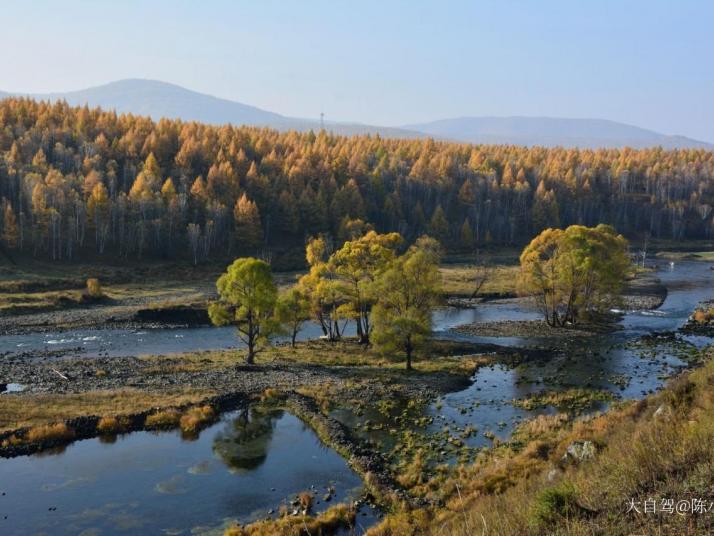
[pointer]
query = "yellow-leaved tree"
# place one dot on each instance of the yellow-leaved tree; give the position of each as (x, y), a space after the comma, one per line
(574, 273)
(408, 292)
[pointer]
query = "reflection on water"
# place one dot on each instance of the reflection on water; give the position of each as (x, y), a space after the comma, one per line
(153, 483)
(244, 442)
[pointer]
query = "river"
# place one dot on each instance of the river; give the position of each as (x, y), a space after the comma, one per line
(244, 466)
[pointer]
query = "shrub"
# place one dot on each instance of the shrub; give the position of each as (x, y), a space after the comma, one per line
(305, 498)
(196, 418)
(50, 432)
(113, 425)
(700, 316)
(270, 395)
(94, 289)
(553, 504)
(163, 419)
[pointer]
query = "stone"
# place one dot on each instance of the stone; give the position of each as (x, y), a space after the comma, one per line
(663, 412)
(580, 451)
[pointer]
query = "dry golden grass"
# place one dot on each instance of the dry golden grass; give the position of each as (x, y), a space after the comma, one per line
(168, 418)
(41, 434)
(327, 522)
(460, 279)
(29, 302)
(641, 453)
(113, 425)
(49, 432)
(18, 411)
(542, 424)
(439, 356)
(196, 418)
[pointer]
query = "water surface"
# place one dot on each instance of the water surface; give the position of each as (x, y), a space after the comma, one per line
(240, 468)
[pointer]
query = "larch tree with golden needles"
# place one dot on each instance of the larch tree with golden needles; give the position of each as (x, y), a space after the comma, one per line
(249, 231)
(260, 189)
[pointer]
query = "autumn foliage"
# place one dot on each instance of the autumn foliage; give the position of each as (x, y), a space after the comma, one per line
(574, 273)
(77, 182)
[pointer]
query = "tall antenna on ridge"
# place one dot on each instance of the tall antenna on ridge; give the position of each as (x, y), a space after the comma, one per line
(322, 120)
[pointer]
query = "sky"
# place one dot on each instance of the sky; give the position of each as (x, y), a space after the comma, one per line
(391, 62)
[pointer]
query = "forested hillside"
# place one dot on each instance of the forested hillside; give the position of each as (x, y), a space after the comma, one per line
(80, 182)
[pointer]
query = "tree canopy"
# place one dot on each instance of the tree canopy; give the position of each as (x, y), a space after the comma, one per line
(357, 265)
(247, 297)
(408, 292)
(574, 273)
(81, 182)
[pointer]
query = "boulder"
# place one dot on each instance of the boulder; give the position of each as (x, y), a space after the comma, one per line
(579, 451)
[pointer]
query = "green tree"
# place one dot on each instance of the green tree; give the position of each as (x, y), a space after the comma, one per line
(247, 297)
(467, 235)
(325, 293)
(408, 292)
(574, 273)
(439, 225)
(292, 310)
(358, 264)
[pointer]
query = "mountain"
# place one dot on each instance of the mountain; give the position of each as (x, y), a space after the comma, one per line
(551, 131)
(161, 99)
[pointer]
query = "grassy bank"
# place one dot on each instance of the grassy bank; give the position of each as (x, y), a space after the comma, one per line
(461, 280)
(657, 449)
(37, 287)
(439, 356)
(33, 410)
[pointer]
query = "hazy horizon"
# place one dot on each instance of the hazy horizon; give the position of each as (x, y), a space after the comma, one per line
(643, 63)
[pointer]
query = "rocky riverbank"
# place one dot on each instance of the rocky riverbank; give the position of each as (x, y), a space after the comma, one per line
(643, 293)
(701, 321)
(132, 317)
(530, 329)
(81, 387)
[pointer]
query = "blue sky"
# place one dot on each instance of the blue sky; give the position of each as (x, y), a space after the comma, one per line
(648, 63)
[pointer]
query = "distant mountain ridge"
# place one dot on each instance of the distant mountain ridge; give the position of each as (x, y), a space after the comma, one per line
(551, 131)
(161, 99)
